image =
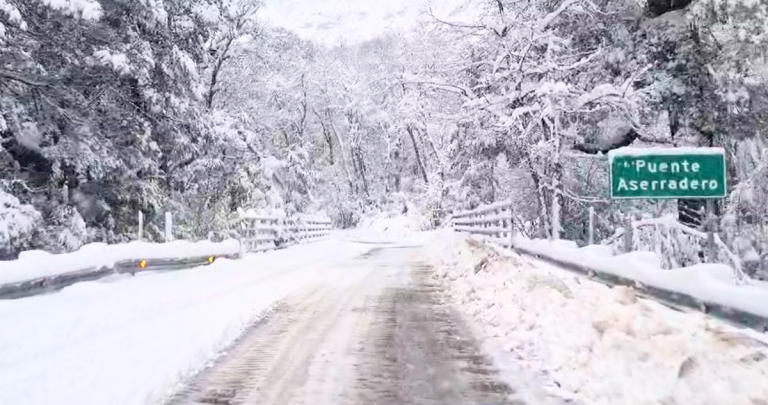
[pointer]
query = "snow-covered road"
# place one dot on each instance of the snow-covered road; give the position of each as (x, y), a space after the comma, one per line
(359, 323)
(382, 335)
(134, 340)
(327, 323)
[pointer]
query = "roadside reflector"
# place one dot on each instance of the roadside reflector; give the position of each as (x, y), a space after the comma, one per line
(211, 259)
(143, 264)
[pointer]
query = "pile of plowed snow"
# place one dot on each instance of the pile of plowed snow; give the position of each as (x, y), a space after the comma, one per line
(595, 344)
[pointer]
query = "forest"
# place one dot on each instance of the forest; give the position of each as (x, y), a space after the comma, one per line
(200, 108)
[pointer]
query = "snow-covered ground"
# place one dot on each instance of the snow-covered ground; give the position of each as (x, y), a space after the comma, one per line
(593, 343)
(34, 264)
(388, 228)
(134, 340)
(713, 283)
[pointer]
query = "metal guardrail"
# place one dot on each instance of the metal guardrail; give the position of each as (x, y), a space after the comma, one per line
(494, 224)
(44, 285)
(670, 298)
(135, 266)
(257, 234)
(56, 282)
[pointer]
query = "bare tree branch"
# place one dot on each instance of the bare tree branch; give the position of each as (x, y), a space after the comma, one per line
(456, 24)
(442, 86)
(564, 6)
(7, 74)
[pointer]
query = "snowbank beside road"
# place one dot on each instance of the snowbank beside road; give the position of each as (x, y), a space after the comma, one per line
(37, 263)
(132, 340)
(595, 344)
(713, 283)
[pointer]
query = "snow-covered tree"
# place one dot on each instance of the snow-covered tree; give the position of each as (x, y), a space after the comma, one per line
(17, 225)
(196, 107)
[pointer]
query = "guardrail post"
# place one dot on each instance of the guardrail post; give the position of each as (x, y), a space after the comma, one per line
(140, 234)
(591, 231)
(168, 227)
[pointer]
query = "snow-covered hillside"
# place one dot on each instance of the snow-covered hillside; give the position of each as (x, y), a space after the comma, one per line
(333, 22)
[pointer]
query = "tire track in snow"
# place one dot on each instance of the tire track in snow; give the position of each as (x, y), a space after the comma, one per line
(425, 354)
(384, 338)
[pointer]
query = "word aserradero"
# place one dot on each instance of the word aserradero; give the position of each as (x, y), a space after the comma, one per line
(643, 167)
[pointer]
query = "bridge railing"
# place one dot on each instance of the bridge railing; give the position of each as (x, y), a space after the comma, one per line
(260, 233)
(495, 223)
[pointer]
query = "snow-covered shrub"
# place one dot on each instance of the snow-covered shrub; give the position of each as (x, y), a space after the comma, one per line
(64, 231)
(345, 214)
(18, 223)
(675, 249)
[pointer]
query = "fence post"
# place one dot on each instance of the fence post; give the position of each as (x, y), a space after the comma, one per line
(591, 236)
(168, 227)
(141, 226)
(628, 234)
(711, 228)
(511, 227)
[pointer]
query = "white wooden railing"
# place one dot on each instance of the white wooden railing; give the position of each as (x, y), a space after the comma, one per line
(262, 233)
(494, 221)
(496, 224)
(257, 233)
(309, 228)
(676, 244)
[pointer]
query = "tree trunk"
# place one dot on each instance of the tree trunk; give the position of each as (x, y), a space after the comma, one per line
(285, 136)
(555, 210)
(215, 75)
(422, 169)
(542, 202)
(329, 141)
(557, 174)
(360, 169)
(327, 136)
(342, 153)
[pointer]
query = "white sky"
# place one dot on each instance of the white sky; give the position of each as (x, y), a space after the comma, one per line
(329, 21)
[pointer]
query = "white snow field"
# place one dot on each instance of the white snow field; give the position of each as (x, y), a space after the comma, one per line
(134, 340)
(595, 344)
(35, 264)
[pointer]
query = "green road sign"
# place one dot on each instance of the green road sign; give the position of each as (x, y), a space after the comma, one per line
(668, 173)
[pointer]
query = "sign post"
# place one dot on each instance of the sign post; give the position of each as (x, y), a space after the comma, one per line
(661, 173)
(628, 234)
